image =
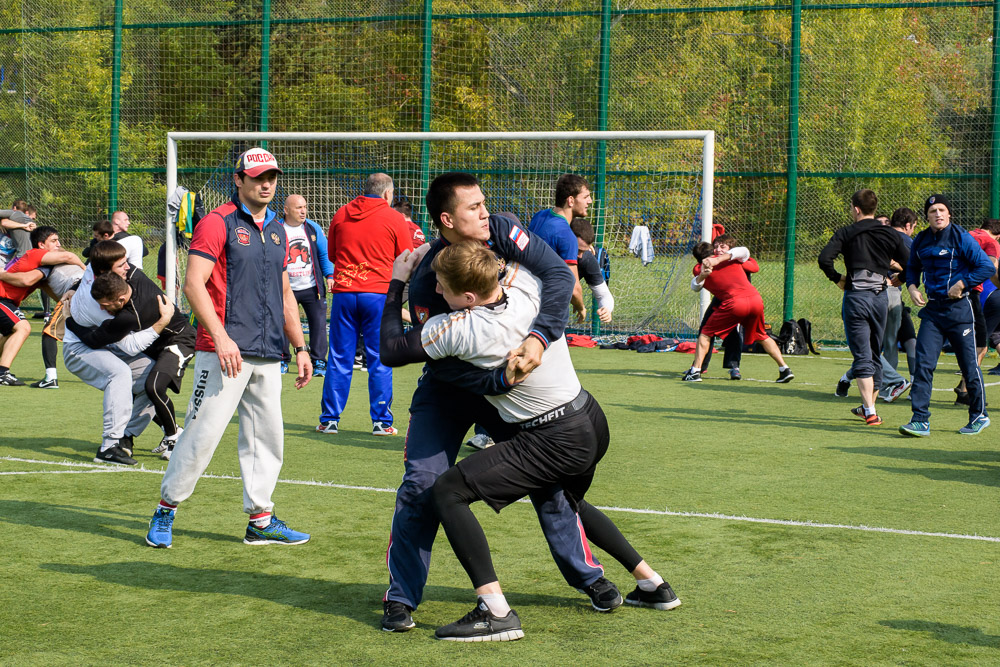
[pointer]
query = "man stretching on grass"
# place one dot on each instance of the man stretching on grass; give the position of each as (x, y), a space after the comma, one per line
(721, 271)
(562, 434)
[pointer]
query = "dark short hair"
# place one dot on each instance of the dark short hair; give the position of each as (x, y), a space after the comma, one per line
(107, 286)
(902, 217)
(865, 201)
(104, 228)
(726, 238)
(19, 205)
(29, 209)
(441, 193)
(569, 185)
(104, 255)
(992, 225)
(41, 234)
(404, 207)
(584, 230)
(703, 250)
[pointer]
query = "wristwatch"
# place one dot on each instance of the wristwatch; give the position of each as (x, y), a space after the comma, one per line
(301, 348)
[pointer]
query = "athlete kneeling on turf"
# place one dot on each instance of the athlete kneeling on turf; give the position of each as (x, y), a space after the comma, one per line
(563, 431)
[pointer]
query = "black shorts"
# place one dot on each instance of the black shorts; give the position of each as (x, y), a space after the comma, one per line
(564, 451)
(172, 361)
(10, 315)
(978, 321)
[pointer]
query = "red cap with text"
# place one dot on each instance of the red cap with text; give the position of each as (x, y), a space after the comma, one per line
(255, 162)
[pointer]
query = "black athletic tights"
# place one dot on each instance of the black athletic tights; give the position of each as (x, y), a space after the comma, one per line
(50, 348)
(452, 496)
(156, 386)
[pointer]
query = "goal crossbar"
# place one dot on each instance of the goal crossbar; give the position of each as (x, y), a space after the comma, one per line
(707, 137)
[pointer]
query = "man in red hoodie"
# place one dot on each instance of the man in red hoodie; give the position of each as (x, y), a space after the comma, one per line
(365, 238)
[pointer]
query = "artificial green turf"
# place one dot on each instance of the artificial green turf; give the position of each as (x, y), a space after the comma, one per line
(80, 586)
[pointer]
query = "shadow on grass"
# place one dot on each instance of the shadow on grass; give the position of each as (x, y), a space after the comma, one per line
(362, 437)
(101, 522)
(971, 467)
(947, 632)
(734, 416)
(358, 601)
(83, 450)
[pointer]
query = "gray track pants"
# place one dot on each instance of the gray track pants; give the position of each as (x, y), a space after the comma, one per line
(255, 395)
(127, 410)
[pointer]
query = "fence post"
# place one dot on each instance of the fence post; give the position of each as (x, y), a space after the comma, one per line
(600, 186)
(265, 67)
(793, 161)
(425, 110)
(995, 109)
(116, 103)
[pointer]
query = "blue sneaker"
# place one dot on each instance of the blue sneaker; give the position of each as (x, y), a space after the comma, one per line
(976, 426)
(284, 367)
(916, 429)
(275, 532)
(319, 368)
(161, 526)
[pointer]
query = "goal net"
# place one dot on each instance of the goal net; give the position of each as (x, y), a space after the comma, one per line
(652, 196)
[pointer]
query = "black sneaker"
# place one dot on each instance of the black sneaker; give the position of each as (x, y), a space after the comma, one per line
(396, 617)
(994, 371)
(734, 374)
(604, 595)
(46, 384)
(962, 398)
(663, 598)
(858, 411)
(479, 625)
(8, 379)
(126, 445)
(785, 376)
(692, 376)
(114, 456)
(843, 386)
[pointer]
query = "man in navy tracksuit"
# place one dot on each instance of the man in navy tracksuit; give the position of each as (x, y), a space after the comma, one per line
(449, 400)
(952, 263)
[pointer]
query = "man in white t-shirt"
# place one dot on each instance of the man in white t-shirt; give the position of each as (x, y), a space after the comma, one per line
(561, 431)
(310, 274)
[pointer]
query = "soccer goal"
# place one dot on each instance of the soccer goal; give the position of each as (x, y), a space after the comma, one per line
(652, 191)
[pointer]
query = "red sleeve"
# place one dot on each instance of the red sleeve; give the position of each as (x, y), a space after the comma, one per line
(404, 238)
(697, 269)
(750, 266)
(331, 243)
(209, 238)
(29, 261)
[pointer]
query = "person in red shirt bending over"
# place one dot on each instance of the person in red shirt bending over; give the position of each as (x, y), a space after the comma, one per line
(723, 272)
(17, 283)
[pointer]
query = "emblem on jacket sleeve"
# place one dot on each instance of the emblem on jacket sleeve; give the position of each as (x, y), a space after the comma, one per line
(422, 313)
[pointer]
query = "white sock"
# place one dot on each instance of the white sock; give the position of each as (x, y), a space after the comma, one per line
(50, 374)
(695, 369)
(649, 585)
(173, 438)
(262, 520)
(782, 368)
(844, 378)
(497, 604)
(869, 411)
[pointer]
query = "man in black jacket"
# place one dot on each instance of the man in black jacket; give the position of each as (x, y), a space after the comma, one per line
(136, 303)
(868, 247)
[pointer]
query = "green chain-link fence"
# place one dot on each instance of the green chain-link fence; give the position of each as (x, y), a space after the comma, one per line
(809, 100)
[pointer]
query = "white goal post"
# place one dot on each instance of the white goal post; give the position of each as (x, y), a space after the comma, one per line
(707, 138)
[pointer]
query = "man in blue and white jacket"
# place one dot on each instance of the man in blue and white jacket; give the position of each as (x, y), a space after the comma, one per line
(952, 263)
(310, 273)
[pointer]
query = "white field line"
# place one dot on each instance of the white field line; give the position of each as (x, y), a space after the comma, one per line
(629, 510)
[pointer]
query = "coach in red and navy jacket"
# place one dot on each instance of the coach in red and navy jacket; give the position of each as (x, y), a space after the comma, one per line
(365, 237)
(238, 288)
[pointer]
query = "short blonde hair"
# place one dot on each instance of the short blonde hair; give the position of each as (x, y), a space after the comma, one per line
(468, 266)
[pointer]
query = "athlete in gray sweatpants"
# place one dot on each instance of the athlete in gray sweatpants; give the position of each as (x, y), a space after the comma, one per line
(127, 409)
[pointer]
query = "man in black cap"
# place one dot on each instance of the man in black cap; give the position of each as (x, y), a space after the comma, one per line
(952, 263)
(868, 247)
